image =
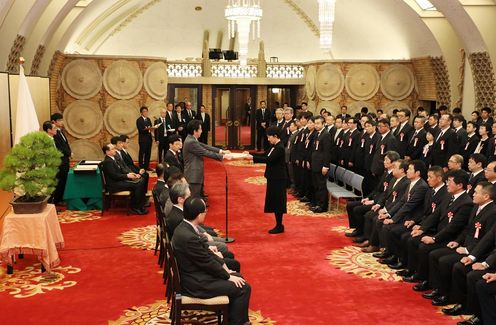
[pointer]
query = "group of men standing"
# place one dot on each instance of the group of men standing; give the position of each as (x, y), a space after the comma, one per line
(172, 120)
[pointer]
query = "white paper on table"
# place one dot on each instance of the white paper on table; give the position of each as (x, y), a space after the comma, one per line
(238, 155)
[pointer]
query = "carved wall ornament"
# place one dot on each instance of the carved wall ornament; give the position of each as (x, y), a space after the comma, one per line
(123, 79)
(156, 80)
(82, 79)
(330, 81)
(83, 119)
(362, 81)
(85, 149)
(120, 118)
(397, 82)
(310, 81)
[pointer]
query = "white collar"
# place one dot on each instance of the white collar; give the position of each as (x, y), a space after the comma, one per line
(484, 205)
(192, 225)
(456, 196)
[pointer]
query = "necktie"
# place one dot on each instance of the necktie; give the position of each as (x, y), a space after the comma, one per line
(414, 135)
(451, 200)
(189, 113)
(478, 211)
(439, 136)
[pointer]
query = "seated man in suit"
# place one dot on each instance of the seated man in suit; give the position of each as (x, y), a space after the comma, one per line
(203, 273)
(161, 189)
(173, 155)
(120, 179)
(122, 148)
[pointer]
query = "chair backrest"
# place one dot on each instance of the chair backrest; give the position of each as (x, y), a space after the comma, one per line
(357, 183)
(173, 270)
(347, 179)
(340, 171)
(102, 177)
(332, 171)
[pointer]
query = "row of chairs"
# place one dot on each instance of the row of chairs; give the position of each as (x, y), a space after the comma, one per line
(343, 184)
(173, 292)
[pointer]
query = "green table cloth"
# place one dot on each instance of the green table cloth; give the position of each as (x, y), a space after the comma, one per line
(83, 191)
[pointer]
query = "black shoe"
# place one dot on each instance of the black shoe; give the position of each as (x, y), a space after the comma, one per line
(474, 320)
(354, 233)
(399, 266)
(391, 260)
(304, 199)
(402, 272)
(384, 254)
(359, 239)
(422, 286)
(453, 311)
(319, 210)
(431, 295)
(277, 230)
(412, 279)
(138, 211)
(440, 301)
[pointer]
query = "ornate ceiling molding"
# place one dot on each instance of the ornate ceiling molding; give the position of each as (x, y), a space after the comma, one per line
(306, 19)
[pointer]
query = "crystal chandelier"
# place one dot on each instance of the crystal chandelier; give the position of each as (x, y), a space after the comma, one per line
(243, 16)
(326, 20)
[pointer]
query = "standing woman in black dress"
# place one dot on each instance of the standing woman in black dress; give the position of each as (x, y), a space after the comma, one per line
(275, 173)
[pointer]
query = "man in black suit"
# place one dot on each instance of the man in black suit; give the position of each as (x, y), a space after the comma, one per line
(442, 260)
(446, 143)
(486, 116)
(320, 160)
(404, 131)
(188, 114)
(386, 143)
(344, 113)
(470, 144)
(285, 132)
(417, 141)
(170, 125)
(172, 156)
(203, 273)
(161, 189)
(178, 121)
(476, 164)
(63, 146)
(351, 143)
(460, 131)
(122, 144)
(364, 157)
(335, 133)
(121, 179)
(144, 126)
(443, 226)
(262, 119)
(204, 117)
(410, 207)
(161, 134)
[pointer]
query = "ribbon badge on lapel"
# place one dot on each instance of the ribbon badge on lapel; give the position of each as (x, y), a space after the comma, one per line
(382, 149)
(433, 206)
(466, 146)
(386, 184)
(469, 187)
(317, 145)
(415, 142)
(442, 144)
(371, 148)
(341, 144)
(395, 194)
(363, 143)
(349, 141)
(478, 227)
(450, 216)
(402, 135)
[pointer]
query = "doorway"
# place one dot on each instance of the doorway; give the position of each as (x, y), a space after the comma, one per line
(233, 109)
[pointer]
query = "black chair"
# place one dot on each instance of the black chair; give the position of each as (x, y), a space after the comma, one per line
(108, 197)
(219, 305)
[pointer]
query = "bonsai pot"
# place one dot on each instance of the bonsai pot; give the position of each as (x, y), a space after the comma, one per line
(22, 206)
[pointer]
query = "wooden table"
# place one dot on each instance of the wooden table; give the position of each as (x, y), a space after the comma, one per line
(38, 234)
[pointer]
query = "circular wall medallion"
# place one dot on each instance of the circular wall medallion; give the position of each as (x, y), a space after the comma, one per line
(84, 149)
(83, 119)
(330, 82)
(362, 81)
(397, 82)
(154, 110)
(310, 82)
(123, 79)
(355, 107)
(389, 107)
(133, 148)
(156, 80)
(120, 118)
(82, 79)
(330, 106)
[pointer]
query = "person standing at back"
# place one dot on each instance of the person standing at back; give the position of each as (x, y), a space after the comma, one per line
(144, 125)
(63, 146)
(262, 118)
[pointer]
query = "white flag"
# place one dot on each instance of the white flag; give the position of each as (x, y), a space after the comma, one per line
(26, 118)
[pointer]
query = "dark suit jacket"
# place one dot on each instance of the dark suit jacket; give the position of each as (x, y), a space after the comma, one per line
(416, 145)
(128, 160)
(469, 147)
(161, 191)
(141, 124)
(472, 182)
(433, 201)
(394, 193)
(201, 271)
(403, 136)
(383, 145)
(444, 148)
(321, 153)
(186, 116)
(205, 122)
(115, 176)
(274, 159)
(350, 146)
(172, 160)
(381, 188)
(411, 205)
(491, 149)
(62, 145)
(485, 220)
(179, 123)
(173, 219)
(448, 221)
(259, 118)
(159, 132)
(462, 138)
(170, 123)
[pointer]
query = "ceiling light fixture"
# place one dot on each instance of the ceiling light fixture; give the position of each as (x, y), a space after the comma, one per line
(243, 15)
(326, 20)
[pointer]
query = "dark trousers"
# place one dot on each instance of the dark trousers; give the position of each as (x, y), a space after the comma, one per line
(319, 184)
(58, 194)
(239, 300)
(420, 252)
(441, 262)
(138, 191)
(370, 219)
(308, 185)
(145, 150)
(357, 216)
(393, 242)
(163, 146)
(486, 293)
(298, 176)
(262, 142)
(463, 287)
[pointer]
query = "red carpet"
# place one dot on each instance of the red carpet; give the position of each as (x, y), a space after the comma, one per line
(293, 281)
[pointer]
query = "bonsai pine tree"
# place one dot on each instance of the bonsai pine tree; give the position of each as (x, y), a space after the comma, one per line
(31, 167)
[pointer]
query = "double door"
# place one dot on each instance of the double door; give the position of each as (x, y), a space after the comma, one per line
(233, 116)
